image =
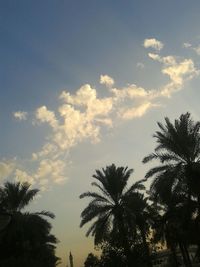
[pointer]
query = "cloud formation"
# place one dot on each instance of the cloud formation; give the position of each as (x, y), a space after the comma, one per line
(20, 115)
(81, 116)
(6, 169)
(178, 70)
(153, 43)
(107, 80)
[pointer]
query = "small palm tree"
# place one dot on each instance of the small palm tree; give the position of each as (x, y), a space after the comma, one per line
(27, 234)
(113, 217)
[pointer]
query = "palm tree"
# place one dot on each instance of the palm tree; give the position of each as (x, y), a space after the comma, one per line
(112, 256)
(91, 261)
(144, 215)
(178, 151)
(27, 236)
(16, 196)
(113, 217)
(169, 226)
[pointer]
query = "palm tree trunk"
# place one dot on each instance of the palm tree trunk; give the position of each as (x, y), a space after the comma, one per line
(187, 255)
(183, 254)
(125, 243)
(146, 247)
(186, 261)
(173, 250)
(127, 252)
(198, 224)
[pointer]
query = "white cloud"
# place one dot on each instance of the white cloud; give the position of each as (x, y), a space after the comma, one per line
(178, 70)
(51, 169)
(22, 176)
(47, 149)
(81, 116)
(153, 43)
(6, 169)
(168, 60)
(154, 56)
(45, 115)
(83, 97)
(130, 92)
(107, 80)
(76, 126)
(135, 112)
(20, 115)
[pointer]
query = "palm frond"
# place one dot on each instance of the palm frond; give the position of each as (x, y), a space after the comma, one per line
(46, 213)
(94, 195)
(158, 169)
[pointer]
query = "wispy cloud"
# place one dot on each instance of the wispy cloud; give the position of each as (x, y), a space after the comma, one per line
(178, 70)
(153, 43)
(20, 115)
(136, 112)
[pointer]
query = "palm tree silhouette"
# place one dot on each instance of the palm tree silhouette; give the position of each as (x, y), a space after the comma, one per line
(114, 219)
(143, 216)
(27, 237)
(16, 196)
(178, 151)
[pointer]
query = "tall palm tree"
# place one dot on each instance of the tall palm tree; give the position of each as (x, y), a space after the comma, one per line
(169, 226)
(113, 217)
(144, 215)
(178, 151)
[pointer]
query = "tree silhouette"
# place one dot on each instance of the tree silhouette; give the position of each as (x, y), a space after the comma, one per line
(178, 151)
(114, 219)
(27, 238)
(91, 261)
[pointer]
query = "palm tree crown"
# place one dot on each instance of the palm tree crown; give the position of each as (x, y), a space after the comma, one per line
(178, 151)
(108, 206)
(15, 196)
(27, 234)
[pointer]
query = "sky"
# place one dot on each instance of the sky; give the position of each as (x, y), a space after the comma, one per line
(82, 85)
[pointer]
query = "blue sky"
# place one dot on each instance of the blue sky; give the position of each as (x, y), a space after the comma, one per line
(82, 85)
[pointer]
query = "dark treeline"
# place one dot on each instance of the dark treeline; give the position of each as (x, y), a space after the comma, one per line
(130, 223)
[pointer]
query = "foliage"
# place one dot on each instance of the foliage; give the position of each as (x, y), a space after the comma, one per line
(91, 261)
(176, 182)
(122, 214)
(27, 237)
